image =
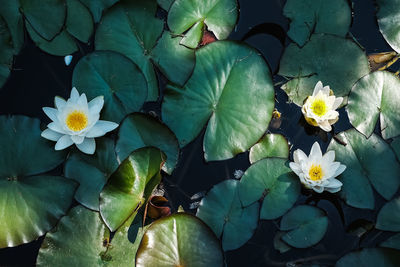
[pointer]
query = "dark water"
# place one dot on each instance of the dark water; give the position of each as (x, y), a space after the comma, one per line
(38, 77)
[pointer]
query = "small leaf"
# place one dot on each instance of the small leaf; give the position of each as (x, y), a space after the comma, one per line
(389, 216)
(271, 145)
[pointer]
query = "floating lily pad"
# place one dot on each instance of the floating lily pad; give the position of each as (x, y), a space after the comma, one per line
(125, 191)
(389, 216)
(30, 204)
(388, 16)
(270, 146)
(317, 16)
(219, 16)
(336, 61)
(115, 77)
(179, 240)
(9, 10)
(222, 210)
(371, 257)
(140, 130)
(392, 242)
(92, 172)
(7, 50)
(305, 226)
(165, 4)
(366, 161)
(97, 7)
(396, 146)
(45, 16)
(272, 180)
(376, 96)
(237, 110)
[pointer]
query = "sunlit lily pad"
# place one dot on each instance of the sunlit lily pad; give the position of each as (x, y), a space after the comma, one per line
(219, 16)
(366, 160)
(376, 96)
(140, 130)
(317, 16)
(336, 61)
(92, 172)
(371, 257)
(115, 77)
(271, 145)
(389, 216)
(237, 109)
(388, 16)
(125, 191)
(272, 180)
(7, 50)
(9, 10)
(97, 7)
(392, 242)
(222, 210)
(179, 240)
(305, 226)
(30, 204)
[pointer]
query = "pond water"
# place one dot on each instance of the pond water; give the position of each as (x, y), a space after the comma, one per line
(37, 77)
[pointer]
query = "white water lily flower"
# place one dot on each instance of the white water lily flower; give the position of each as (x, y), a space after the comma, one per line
(76, 121)
(317, 172)
(320, 108)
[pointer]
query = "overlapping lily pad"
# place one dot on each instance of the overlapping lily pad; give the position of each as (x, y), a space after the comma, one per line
(305, 226)
(371, 257)
(392, 242)
(396, 146)
(317, 16)
(388, 16)
(7, 50)
(9, 10)
(336, 61)
(92, 172)
(272, 180)
(190, 17)
(140, 130)
(165, 4)
(231, 89)
(30, 204)
(222, 210)
(127, 189)
(115, 77)
(366, 160)
(389, 216)
(271, 145)
(179, 240)
(376, 96)
(97, 7)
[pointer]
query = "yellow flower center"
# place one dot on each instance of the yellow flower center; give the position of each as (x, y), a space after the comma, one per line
(76, 121)
(316, 172)
(319, 107)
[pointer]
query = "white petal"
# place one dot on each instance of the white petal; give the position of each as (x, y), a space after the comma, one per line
(82, 101)
(318, 189)
(64, 142)
(296, 168)
(299, 155)
(96, 104)
(334, 183)
(67, 60)
(77, 139)
(51, 135)
(317, 88)
(333, 190)
(51, 113)
(326, 90)
(59, 102)
(88, 146)
(56, 127)
(74, 95)
(339, 170)
(329, 157)
(337, 103)
(315, 153)
(101, 128)
(325, 126)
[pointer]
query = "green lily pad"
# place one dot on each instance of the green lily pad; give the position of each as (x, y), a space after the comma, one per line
(219, 16)
(9, 10)
(115, 77)
(336, 61)
(222, 210)
(396, 146)
(237, 110)
(270, 146)
(389, 216)
(317, 16)
(45, 16)
(125, 191)
(30, 204)
(97, 7)
(305, 226)
(179, 240)
(7, 50)
(140, 130)
(376, 96)
(388, 15)
(165, 4)
(392, 242)
(92, 172)
(366, 161)
(279, 244)
(371, 257)
(272, 180)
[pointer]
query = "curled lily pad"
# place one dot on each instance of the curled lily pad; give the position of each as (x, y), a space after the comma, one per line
(30, 204)
(125, 191)
(140, 130)
(305, 226)
(9, 10)
(271, 145)
(222, 210)
(336, 61)
(392, 242)
(7, 50)
(97, 7)
(272, 180)
(388, 16)
(318, 16)
(376, 96)
(219, 16)
(179, 240)
(92, 172)
(366, 161)
(371, 257)
(389, 216)
(115, 77)
(237, 110)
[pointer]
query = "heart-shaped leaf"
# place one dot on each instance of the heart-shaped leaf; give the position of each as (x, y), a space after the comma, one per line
(371, 257)
(389, 216)
(270, 146)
